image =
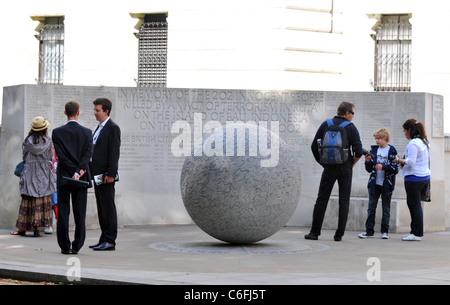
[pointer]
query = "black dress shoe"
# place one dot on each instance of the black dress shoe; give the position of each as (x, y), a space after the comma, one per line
(105, 247)
(337, 238)
(311, 236)
(96, 245)
(69, 251)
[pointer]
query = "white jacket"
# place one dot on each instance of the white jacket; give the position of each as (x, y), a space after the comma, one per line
(417, 159)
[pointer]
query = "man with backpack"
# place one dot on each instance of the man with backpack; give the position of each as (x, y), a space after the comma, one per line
(337, 147)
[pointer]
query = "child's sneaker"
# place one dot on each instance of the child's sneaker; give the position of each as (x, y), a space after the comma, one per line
(411, 237)
(384, 236)
(48, 230)
(364, 235)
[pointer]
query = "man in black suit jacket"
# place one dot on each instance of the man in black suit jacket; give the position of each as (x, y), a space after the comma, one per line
(105, 161)
(73, 147)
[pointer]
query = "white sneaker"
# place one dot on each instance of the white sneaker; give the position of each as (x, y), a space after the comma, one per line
(411, 237)
(384, 236)
(364, 235)
(48, 230)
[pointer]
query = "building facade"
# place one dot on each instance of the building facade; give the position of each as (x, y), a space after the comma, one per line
(342, 45)
(330, 45)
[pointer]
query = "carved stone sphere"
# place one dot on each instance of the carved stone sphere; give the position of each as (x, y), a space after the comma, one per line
(238, 198)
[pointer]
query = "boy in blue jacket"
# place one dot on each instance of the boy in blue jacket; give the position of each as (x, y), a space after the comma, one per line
(381, 181)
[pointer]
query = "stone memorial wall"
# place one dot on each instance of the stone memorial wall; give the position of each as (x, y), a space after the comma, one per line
(156, 124)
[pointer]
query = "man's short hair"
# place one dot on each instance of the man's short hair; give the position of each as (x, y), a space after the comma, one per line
(106, 104)
(72, 108)
(344, 107)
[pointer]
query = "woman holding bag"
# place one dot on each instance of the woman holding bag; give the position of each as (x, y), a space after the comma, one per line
(416, 173)
(37, 183)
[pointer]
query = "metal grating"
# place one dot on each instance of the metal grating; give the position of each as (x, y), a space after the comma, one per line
(152, 70)
(393, 54)
(51, 51)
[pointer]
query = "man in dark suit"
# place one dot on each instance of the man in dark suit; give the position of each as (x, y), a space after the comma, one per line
(105, 161)
(73, 147)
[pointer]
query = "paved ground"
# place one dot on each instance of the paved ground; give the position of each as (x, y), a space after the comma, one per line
(14, 282)
(185, 255)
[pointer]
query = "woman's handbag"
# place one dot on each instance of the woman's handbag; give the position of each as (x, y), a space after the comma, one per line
(19, 169)
(425, 192)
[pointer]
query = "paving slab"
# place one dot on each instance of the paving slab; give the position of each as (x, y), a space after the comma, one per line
(185, 255)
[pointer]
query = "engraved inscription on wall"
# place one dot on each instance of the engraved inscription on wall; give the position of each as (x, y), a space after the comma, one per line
(146, 117)
(149, 114)
(38, 103)
(438, 116)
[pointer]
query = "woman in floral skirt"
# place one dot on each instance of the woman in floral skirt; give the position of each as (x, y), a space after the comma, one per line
(37, 183)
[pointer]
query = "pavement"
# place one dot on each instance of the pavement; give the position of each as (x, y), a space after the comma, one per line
(185, 255)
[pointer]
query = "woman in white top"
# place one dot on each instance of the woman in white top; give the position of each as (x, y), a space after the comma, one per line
(416, 173)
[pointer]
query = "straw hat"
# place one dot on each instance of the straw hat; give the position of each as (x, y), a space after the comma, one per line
(39, 123)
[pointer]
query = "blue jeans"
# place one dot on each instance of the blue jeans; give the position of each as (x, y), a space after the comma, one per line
(386, 207)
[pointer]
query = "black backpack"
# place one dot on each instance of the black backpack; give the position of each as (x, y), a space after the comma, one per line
(334, 148)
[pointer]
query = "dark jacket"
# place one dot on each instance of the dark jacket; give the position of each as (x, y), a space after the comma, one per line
(73, 147)
(105, 158)
(390, 170)
(352, 135)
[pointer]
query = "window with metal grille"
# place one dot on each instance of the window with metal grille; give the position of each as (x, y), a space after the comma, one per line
(152, 70)
(393, 54)
(51, 51)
